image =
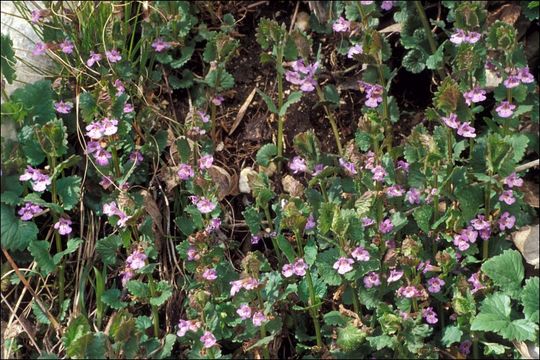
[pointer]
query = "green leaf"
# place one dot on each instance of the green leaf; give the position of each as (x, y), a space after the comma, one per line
(54, 138)
(107, 248)
(66, 164)
(37, 100)
(423, 215)
(350, 338)
(166, 350)
(414, 61)
(381, 342)
(15, 233)
(262, 342)
(253, 219)
(435, 61)
(335, 318)
(286, 248)
(520, 330)
(470, 199)
(138, 289)
(111, 297)
(40, 252)
(331, 94)
(494, 348)
(69, 190)
(326, 216)
(72, 246)
(165, 293)
(293, 97)
(30, 145)
(519, 144)
(265, 154)
(88, 106)
(271, 106)
(494, 314)
(363, 140)
(41, 318)
(77, 337)
(325, 263)
(7, 63)
(452, 334)
(222, 82)
(187, 51)
(97, 348)
(529, 299)
(506, 271)
(310, 252)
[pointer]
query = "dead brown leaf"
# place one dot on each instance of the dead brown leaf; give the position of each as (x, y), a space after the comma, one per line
(530, 192)
(292, 186)
(242, 110)
(526, 240)
(169, 177)
(223, 180)
(508, 13)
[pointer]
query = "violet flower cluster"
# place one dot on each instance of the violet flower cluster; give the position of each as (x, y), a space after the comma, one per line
(245, 312)
(302, 75)
(465, 37)
(37, 178)
(463, 129)
(247, 283)
(29, 211)
(111, 209)
(297, 268)
(373, 92)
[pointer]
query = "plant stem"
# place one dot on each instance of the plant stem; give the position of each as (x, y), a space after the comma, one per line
(281, 119)
(274, 241)
(485, 244)
(475, 348)
(116, 162)
(332, 120)
(429, 34)
(386, 118)
(356, 303)
(57, 239)
(266, 353)
(314, 311)
(155, 315)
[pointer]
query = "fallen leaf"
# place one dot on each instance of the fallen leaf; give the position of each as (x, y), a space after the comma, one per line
(169, 177)
(222, 179)
(292, 186)
(243, 182)
(530, 192)
(508, 13)
(526, 240)
(242, 110)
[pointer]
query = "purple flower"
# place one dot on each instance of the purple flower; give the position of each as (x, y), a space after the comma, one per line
(102, 157)
(37, 15)
(343, 265)
(287, 270)
(128, 108)
(110, 126)
(474, 280)
(297, 165)
(250, 283)
(480, 223)
(210, 274)
(39, 49)
(94, 130)
(408, 292)
(475, 95)
(469, 234)
(113, 56)
(513, 180)
(300, 267)
(387, 5)
(258, 318)
(341, 25)
(204, 117)
(461, 242)
(472, 37)
(318, 169)
(136, 260)
(244, 311)
(451, 121)
(111, 209)
(378, 173)
(39, 180)
(373, 94)
(92, 147)
(413, 196)
(465, 347)
(94, 58)
(29, 210)
(435, 285)
(394, 275)
(310, 223)
(217, 100)
(192, 254)
(506, 221)
(371, 280)
(430, 315)
(360, 254)
(205, 162)
(208, 339)
(205, 206)
(525, 76)
(213, 225)
(66, 46)
(126, 275)
(302, 75)
(255, 239)
(119, 86)
(386, 226)
(185, 172)
(183, 327)
(394, 191)
(511, 81)
(466, 130)
(63, 226)
(402, 165)
(458, 37)
(507, 197)
(105, 182)
(136, 157)
(348, 167)
(505, 109)
(367, 221)
(63, 107)
(355, 50)
(160, 45)
(425, 266)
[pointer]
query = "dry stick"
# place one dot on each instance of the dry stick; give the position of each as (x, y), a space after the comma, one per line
(15, 268)
(23, 324)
